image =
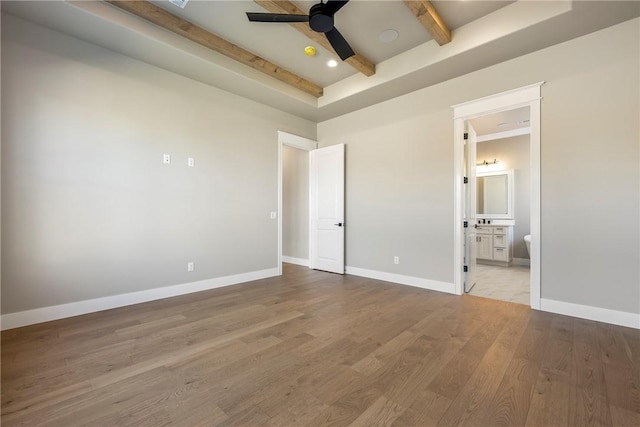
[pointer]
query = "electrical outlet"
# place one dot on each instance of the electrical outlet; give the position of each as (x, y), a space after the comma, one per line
(191, 162)
(396, 260)
(166, 159)
(190, 266)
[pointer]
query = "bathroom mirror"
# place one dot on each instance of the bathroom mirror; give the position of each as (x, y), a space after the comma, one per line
(494, 197)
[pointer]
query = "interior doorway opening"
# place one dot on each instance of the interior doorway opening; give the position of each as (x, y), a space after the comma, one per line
(498, 266)
(293, 190)
(464, 115)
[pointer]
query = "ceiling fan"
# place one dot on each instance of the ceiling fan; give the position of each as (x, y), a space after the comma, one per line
(320, 19)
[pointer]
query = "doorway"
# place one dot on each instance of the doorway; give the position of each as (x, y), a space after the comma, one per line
(502, 207)
(322, 221)
(464, 114)
(293, 199)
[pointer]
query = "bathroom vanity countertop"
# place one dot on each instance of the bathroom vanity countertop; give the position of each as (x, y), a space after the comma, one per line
(503, 222)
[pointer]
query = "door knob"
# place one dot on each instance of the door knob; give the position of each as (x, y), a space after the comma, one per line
(338, 224)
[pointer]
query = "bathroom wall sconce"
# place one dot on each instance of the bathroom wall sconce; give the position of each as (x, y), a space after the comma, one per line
(486, 163)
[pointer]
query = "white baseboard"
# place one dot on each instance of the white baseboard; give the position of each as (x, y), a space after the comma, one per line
(521, 261)
(297, 261)
(45, 314)
(614, 317)
(418, 282)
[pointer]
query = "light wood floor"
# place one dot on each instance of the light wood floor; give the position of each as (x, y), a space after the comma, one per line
(313, 348)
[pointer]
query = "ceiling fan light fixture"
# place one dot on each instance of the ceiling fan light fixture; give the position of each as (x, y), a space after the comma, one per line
(320, 19)
(310, 51)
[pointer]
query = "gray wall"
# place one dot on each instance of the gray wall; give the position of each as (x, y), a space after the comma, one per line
(400, 170)
(399, 199)
(513, 153)
(88, 208)
(295, 202)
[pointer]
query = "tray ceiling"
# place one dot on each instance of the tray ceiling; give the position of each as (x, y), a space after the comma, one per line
(482, 33)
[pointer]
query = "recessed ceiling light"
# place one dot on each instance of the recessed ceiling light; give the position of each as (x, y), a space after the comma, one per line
(332, 63)
(388, 36)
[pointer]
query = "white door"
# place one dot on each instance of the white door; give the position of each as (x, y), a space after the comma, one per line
(470, 252)
(326, 209)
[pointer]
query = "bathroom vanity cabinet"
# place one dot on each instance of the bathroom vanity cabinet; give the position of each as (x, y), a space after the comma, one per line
(494, 244)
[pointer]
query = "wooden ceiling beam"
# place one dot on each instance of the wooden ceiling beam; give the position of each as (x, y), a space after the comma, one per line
(430, 20)
(184, 28)
(357, 61)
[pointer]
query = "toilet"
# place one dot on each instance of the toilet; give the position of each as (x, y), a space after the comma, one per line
(527, 241)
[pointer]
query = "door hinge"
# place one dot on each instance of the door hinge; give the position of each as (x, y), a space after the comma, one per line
(466, 136)
(465, 180)
(465, 269)
(465, 224)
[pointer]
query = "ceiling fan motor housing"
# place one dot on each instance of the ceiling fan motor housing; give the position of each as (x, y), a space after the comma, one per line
(318, 21)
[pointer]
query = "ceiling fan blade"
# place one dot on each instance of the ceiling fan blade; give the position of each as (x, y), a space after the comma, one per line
(332, 6)
(276, 17)
(339, 44)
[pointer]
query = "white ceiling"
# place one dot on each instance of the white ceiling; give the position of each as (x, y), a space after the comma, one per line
(504, 121)
(484, 33)
(360, 22)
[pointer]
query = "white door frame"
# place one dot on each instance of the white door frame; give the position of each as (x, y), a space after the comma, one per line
(522, 97)
(294, 141)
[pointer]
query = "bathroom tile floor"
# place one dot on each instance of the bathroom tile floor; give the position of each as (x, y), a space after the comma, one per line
(502, 283)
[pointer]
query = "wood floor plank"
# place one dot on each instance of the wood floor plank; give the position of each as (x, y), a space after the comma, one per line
(382, 412)
(397, 374)
(179, 354)
(142, 327)
(510, 404)
(589, 395)
(622, 386)
(314, 348)
(550, 402)
(470, 403)
(347, 408)
(86, 408)
(260, 375)
(426, 410)
(297, 409)
(429, 367)
(457, 372)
